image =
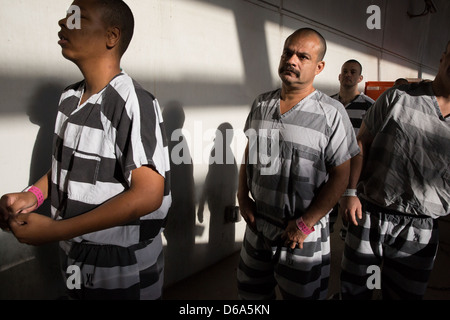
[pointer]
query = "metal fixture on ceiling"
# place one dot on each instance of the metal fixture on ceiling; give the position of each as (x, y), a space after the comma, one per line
(430, 7)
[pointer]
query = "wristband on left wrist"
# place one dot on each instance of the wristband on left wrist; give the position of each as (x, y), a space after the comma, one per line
(303, 227)
(350, 193)
(38, 193)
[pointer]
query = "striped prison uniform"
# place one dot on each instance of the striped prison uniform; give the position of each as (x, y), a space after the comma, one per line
(356, 109)
(313, 136)
(404, 187)
(96, 147)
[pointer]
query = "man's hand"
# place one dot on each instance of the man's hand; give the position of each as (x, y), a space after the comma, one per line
(350, 208)
(33, 228)
(293, 236)
(247, 207)
(14, 203)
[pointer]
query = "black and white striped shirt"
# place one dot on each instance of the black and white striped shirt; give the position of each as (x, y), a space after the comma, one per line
(356, 109)
(96, 147)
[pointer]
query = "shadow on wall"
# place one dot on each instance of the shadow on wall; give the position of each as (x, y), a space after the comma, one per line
(180, 229)
(42, 111)
(39, 277)
(219, 193)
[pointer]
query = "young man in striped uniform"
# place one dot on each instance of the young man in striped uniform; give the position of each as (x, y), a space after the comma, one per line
(109, 181)
(404, 185)
(356, 104)
(296, 168)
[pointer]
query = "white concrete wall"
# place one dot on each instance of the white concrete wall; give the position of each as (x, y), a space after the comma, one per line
(212, 57)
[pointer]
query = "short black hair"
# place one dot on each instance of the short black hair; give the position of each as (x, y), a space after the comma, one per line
(323, 43)
(116, 13)
(357, 62)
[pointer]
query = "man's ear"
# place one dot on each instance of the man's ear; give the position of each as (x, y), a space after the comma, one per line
(320, 67)
(360, 78)
(112, 37)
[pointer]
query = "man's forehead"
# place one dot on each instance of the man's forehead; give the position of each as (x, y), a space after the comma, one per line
(86, 5)
(302, 43)
(350, 65)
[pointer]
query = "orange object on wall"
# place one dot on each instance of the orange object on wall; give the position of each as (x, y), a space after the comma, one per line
(374, 89)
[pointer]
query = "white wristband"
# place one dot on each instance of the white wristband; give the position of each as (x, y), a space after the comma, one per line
(350, 193)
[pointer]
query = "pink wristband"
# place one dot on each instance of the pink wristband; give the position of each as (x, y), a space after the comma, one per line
(38, 193)
(303, 227)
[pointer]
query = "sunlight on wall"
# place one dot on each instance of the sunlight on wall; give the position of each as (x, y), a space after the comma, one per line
(392, 70)
(184, 41)
(31, 29)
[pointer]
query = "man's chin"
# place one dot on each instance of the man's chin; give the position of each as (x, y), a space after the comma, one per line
(67, 54)
(288, 78)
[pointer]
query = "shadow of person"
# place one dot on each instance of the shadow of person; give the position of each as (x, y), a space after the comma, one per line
(219, 193)
(180, 228)
(42, 111)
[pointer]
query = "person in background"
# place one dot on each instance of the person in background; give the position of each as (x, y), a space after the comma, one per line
(400, 81)
(356, 104)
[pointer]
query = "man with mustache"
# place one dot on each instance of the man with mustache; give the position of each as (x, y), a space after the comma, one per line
(287, 237)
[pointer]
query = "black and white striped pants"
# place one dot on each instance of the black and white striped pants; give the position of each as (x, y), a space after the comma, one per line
(299, 273)
(402, 246)
(110, 272)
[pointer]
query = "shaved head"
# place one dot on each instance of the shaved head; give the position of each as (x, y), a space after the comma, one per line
(308, 32)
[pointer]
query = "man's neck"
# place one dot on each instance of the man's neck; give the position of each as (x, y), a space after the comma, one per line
(346, 95)
(291, 96)
(442, 93)
(97, 74)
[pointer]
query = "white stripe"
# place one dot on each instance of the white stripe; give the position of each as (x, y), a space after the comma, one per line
(86, 139)
(123, 236)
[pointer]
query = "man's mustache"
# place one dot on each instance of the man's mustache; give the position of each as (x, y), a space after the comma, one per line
(289, 69)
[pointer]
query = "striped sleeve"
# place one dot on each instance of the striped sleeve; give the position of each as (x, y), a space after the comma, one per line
(134, 131)
(342, 141)
(376, 116)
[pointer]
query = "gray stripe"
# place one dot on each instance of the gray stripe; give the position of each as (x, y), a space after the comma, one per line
(408, 162)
